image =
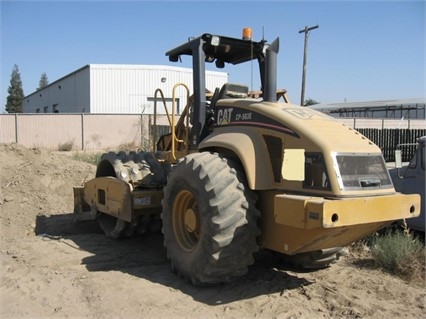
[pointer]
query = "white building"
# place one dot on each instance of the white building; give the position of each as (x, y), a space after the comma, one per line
(116, 88)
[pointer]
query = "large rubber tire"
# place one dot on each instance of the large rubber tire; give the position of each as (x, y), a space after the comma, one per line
(209, 220)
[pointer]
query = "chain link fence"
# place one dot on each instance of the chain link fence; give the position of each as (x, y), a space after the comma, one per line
(115, 131)
(79, 131)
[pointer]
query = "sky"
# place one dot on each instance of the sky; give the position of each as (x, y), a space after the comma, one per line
(362, 50)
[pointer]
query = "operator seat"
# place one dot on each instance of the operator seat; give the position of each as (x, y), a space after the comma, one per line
(229, 91)
(233, 91)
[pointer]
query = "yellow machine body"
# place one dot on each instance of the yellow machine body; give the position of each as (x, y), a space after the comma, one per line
(296, 223)
(295, 180)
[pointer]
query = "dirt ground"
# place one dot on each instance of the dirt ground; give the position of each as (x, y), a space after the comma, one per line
(53, 268)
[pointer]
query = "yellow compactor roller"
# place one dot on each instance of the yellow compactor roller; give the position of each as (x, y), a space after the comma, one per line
(242, 170)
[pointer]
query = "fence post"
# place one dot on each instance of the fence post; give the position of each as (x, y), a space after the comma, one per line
(82, 131)
(141, 128)
(16, 128)
(150, 133)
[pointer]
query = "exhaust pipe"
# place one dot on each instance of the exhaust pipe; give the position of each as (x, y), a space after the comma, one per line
(270, 90)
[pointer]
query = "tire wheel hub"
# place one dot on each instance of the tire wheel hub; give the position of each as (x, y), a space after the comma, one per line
(186, 220)
(190, 220)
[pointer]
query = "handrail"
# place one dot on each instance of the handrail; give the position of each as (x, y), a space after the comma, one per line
(172, 120)
(155, 116)
(174, 138)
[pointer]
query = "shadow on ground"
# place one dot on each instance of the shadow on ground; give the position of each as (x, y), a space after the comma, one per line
(145, 257)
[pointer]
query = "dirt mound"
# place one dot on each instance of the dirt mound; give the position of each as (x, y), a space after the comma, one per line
(36, 182)
(53, 268)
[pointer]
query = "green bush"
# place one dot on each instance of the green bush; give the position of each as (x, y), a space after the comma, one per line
(399, 253)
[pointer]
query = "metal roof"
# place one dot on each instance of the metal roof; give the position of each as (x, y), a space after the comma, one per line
(369, 104)
(224, 49)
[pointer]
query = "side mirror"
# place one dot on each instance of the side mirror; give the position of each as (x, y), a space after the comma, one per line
(398, 159)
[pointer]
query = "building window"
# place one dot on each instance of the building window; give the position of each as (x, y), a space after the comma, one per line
(55, 108)
(45, 109)
(38, 110)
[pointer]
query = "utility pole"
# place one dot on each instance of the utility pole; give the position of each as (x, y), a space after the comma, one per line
(306, 30)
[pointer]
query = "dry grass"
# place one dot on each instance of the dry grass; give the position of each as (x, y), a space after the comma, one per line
(396, 251)
(129, 147)
(92, 158)
(400, 253)
(66, 146)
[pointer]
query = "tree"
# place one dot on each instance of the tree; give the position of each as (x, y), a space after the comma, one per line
(310, 102)
(44, 81)
(16, 93)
